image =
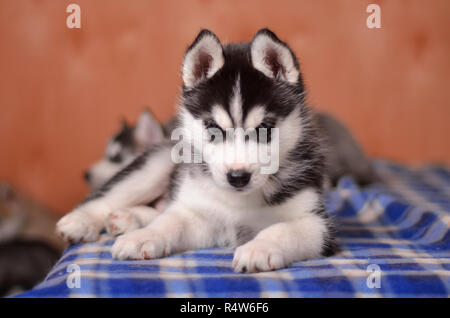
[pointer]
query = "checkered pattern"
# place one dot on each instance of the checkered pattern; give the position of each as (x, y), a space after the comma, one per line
(400, 226)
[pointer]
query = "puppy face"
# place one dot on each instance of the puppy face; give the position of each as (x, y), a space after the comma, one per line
(241, 107)
(123, 148)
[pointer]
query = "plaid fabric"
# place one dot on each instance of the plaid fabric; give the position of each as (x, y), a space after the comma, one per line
(399, 227)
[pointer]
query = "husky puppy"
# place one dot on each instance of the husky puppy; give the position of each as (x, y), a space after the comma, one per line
(273, 219)
(124, 147)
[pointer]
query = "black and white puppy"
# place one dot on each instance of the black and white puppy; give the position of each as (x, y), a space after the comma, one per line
(274, 218)
(127, 144)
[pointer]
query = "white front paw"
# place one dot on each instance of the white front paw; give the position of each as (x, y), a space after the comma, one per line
(258, 255)
(140, 244)
(78, 226)
(121, 221)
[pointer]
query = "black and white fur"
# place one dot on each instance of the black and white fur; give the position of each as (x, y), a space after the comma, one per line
(273, 220)
(127, 144)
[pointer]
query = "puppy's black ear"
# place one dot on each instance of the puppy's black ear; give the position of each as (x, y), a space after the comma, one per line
(202, 59)
(273, 57)
(148, 130)
(124, 124)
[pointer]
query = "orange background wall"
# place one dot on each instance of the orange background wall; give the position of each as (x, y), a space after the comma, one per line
(62, 91)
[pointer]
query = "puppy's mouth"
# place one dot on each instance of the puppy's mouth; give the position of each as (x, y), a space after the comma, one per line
(241, 190)
(239, 179)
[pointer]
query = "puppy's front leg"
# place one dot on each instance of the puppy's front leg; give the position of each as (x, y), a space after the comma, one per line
(130, 219)
(177, 229)
(283, 243)
(142, 181)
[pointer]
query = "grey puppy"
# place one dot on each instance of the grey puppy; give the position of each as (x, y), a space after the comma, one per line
(344, 156)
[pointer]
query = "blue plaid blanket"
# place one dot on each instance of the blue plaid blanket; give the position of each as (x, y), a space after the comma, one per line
(394, 238)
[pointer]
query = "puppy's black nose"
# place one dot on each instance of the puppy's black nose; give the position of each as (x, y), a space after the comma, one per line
(238, 178)
(87, 176)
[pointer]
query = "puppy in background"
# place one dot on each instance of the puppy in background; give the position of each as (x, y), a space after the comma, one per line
(28, 246)
(122, 149)
(126, 145)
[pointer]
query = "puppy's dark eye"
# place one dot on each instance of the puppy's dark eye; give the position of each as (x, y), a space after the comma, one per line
(265, 125)
(116, 158)
(211, 124)
(213, 131)
(263, 132)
